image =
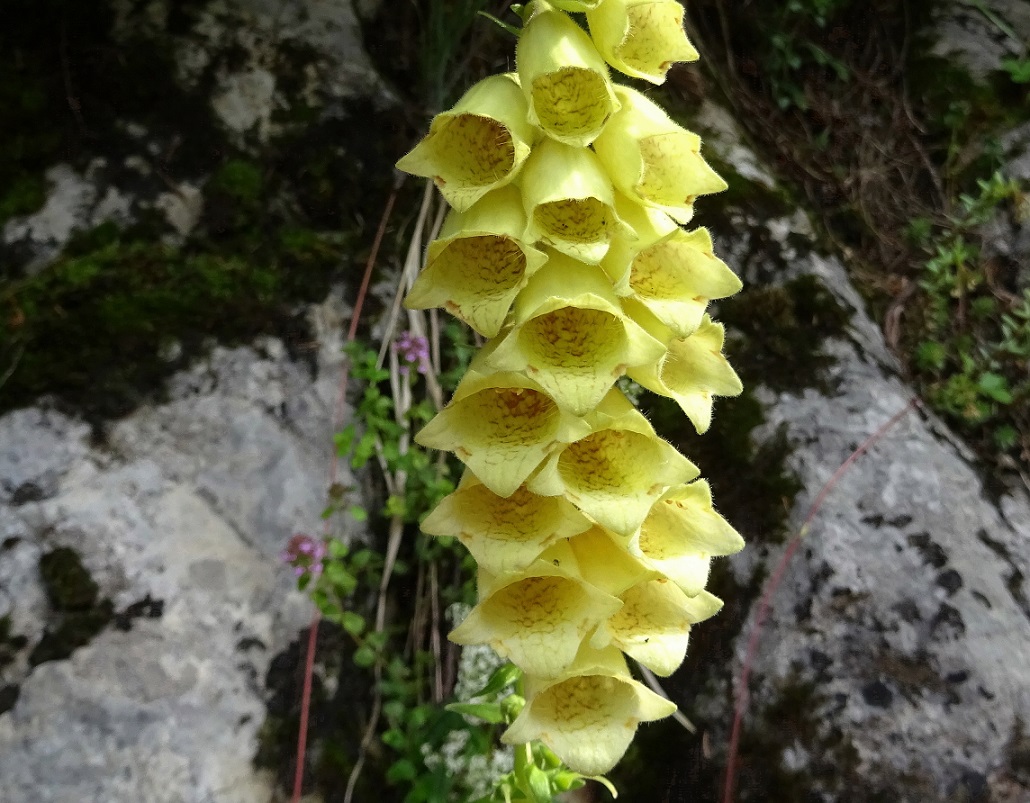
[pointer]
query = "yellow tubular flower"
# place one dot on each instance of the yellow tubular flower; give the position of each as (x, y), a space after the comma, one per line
(589, 717)
(537, 619)
(682, 533)
(477, 146)
(480, 262)
(501, 426)
(571, 336)
(652, 159)
(653, 625)
(674, 277)
(692, 372)
(505, 534)
(565, 80)
(641, 38)
(569, 201)
(616, 473)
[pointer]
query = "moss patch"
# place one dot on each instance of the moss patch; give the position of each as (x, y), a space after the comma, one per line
(776, 333)
(73, 596)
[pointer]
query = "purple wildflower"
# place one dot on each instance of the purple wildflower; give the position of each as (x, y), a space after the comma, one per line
(304, 554)
(413, 350)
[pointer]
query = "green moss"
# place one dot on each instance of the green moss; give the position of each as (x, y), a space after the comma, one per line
(68, 584)
(776, 333)
(73, 593)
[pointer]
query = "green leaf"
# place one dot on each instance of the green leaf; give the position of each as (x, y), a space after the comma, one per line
(358, 513)
(402, 770)
(996, 387)
(503, 677)
(364, 656)
(490, 712)
(337, 549)
(395, 739)
(353, 623)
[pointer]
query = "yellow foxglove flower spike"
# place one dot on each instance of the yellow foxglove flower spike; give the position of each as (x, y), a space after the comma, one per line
(480, 262)
(653, 625)
(589, 717)
(692, 372)
(682, 533)
(641, 38)
(571, 335)
(502, 426)
(504, 534)
(477, 146)
(652, 159)
(569, 201)
(564, 78)
(537, 619)
(616, 473)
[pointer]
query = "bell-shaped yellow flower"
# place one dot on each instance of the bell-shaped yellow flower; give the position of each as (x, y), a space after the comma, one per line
(478, 265)
(652, 159)
(571, 335)
(674, 276)
(641, 38)
(537, 619)
(682, 533)
(569, 201)
(504, 534)
(501, 426)
(653, 625)
(589, 716)
(605, 561)
(565, 80)
(616, 473)
(477, 146)
(692, 372)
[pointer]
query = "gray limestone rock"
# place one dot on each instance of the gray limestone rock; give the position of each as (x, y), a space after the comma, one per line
(178, 517)
(896, 656)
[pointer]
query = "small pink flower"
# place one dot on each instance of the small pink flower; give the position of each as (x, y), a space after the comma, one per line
(413, 350)
(304, 554)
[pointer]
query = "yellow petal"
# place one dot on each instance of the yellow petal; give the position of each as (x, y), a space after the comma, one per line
(652, 159)
(537, 619)
(604, 561)
(653, 625)
(677, 276)
(643, 227)
(589, 717)
(681, 534)
(569, 201)
(479, 264)
(477, 146)
(566, 82)
(641, 38)
(503, 534)
(501, 426)
(692, 372)
(572, 337)
(615, 474)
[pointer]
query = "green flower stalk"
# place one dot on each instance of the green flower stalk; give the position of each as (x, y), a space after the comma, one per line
(594, 537)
